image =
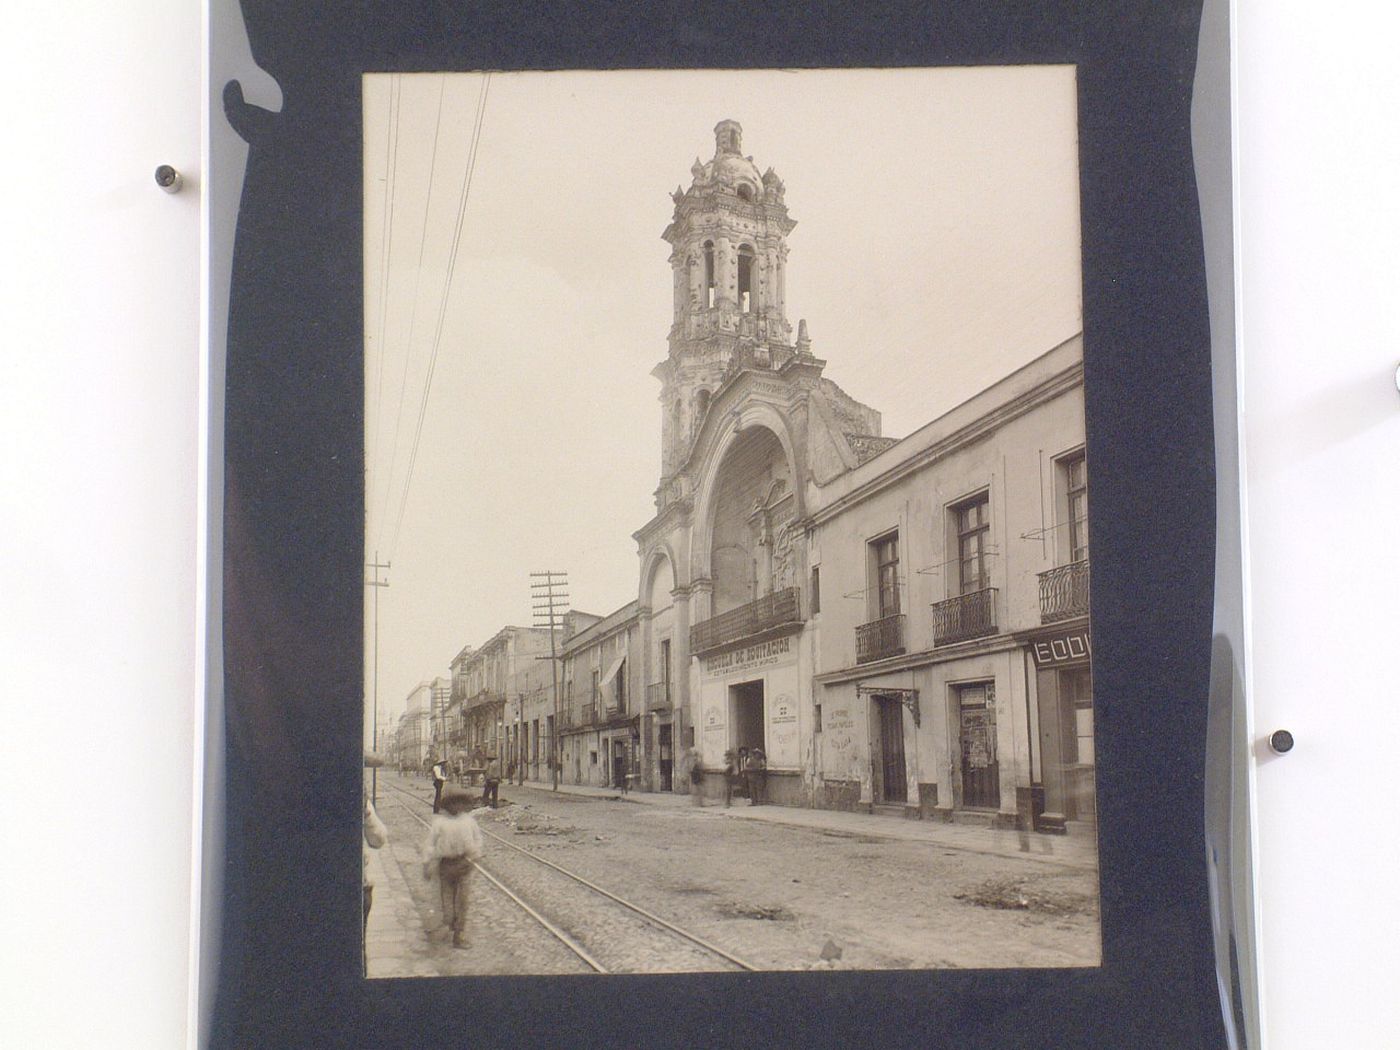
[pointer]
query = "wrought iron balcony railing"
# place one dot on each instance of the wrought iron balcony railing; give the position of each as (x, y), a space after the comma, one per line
(964, 617)
(772, 610)
(880, 638)
(658, 696)
(1064, 592)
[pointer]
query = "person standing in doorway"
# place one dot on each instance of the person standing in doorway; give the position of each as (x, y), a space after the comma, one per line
(439, 779)
(756, 772)
(491, 792)
(731, 776)
(697, 778)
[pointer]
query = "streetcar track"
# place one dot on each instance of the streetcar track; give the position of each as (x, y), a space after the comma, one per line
(652, 918)
(554, 930)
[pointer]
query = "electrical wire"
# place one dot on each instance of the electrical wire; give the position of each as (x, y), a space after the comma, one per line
(413, 313)
(465, 194)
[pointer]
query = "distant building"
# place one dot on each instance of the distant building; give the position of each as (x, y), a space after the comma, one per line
(413, 738)
(504, 691)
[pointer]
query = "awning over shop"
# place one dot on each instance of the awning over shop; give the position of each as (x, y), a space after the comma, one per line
(610, 680)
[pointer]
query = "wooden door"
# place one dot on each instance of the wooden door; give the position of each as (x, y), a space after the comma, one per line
(893, 785)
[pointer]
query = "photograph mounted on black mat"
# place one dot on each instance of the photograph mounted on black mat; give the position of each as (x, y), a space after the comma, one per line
(728, 556)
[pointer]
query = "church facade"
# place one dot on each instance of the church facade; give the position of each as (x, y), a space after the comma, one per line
(900, 625)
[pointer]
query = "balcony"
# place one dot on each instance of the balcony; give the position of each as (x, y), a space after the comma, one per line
(1064, 592)
(964, 617)
(880, 638)
(763, 614)
(659, 696)
(483, 698)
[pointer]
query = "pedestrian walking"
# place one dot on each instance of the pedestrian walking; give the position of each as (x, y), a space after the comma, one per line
(697, 778)
(492, 790)
(454, 846)
(376, 834)
(756, 772)
(439, 779)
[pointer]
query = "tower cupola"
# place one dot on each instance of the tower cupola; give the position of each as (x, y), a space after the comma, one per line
(728, 237)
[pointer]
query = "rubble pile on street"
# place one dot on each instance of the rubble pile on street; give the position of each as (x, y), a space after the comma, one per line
(1019, 895)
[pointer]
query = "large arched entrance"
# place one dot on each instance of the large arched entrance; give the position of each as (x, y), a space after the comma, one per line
(751, 550)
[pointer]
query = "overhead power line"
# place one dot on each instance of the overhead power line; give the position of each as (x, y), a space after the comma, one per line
(464, 195)
(413, 311)
(391, 162)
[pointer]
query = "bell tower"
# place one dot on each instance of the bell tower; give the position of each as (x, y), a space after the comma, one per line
(728, 237)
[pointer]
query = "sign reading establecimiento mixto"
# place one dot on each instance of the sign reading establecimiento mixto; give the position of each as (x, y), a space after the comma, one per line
(761, 655)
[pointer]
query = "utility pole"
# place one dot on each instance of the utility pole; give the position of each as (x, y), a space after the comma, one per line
(376, 583)
(440, 698)
(550, 595)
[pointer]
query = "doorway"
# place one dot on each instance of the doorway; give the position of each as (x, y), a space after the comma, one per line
(619, 763)
(891, 786)
(977, 716)
(663, 749)
(746, 715)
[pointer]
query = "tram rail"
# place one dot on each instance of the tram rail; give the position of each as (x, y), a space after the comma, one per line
(562, 936)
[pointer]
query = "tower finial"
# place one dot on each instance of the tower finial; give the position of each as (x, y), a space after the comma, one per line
(804, 341)
(729, 137)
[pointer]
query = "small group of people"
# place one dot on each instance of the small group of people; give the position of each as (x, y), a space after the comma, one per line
(745, 772)
(491, 781)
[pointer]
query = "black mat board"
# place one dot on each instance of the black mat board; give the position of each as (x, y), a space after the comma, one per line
(293, 543)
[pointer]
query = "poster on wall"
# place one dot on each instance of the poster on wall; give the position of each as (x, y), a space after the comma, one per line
(553, 361)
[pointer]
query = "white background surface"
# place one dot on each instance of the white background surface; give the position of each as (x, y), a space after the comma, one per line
(97, 515)
(99, 313)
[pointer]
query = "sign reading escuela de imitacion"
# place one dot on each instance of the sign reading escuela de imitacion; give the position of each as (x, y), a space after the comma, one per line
(761, 655)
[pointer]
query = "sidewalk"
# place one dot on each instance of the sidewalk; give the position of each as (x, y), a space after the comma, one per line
(1079, 851)
(395, 932)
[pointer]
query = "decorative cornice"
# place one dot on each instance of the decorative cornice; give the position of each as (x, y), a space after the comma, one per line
(998, 643)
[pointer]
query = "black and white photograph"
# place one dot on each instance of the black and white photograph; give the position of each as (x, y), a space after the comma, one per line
(727, 523)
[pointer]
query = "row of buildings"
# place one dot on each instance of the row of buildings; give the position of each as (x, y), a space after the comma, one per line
(901, 625)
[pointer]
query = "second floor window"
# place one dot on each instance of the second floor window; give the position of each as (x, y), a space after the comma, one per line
(1077, 506)
(885, 563)
(974, 527)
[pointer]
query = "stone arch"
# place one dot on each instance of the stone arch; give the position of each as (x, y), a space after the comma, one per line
(757, 416)
(661, 554)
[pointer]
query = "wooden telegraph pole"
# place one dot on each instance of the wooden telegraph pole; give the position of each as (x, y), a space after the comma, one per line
(549, 593)
(376, 583)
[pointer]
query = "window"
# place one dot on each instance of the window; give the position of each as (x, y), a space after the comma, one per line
(745, 278)
(666, 664)
(974, 527)
(816, 602)
(709, 273)
(702, 405)
(1076, 484)
(885, 571)
(745, 191)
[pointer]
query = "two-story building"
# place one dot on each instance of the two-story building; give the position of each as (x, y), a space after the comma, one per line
(952, 654)
(601, 733)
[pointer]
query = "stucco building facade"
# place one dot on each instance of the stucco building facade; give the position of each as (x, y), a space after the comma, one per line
(899, 625)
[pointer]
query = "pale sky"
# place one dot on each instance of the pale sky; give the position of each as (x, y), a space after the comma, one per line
(936, 250)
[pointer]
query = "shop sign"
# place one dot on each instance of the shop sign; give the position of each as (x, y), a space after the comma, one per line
(761, 655)
(1070, 647)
